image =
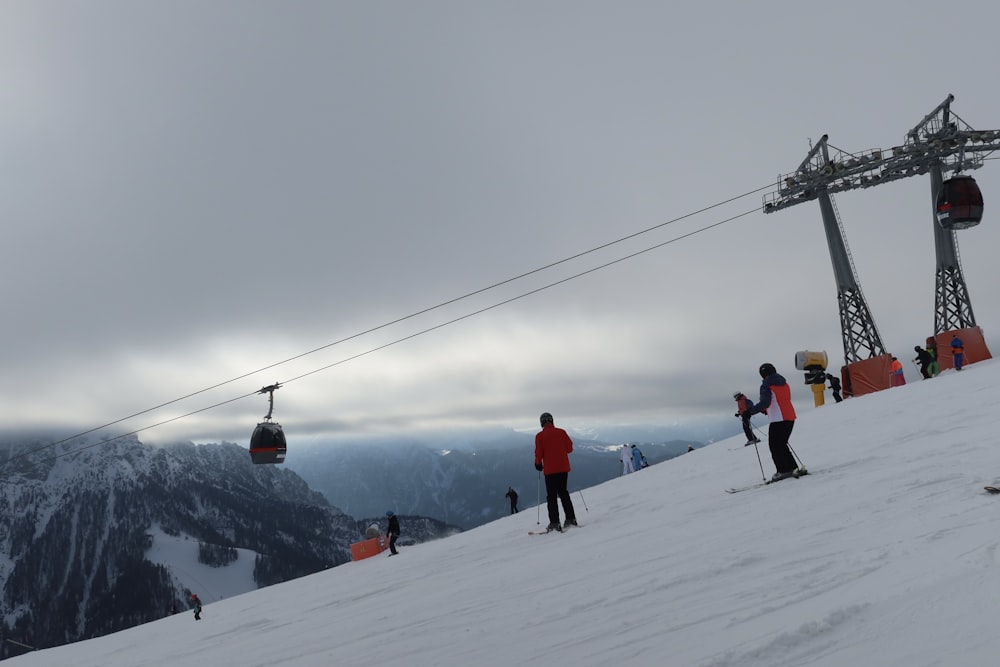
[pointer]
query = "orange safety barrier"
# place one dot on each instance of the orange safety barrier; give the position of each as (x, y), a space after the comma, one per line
(867, 376)
(972, 341)
(367, 548)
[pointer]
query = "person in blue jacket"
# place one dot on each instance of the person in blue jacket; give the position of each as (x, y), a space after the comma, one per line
(637, 458)
(776, 402)
(957, 351)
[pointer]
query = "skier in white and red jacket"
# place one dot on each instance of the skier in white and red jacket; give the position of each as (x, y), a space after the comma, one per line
(776, 402)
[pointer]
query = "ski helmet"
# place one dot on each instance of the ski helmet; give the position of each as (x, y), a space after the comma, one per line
(389, 513)
(546, 418)
(767, 369)
(737, 394)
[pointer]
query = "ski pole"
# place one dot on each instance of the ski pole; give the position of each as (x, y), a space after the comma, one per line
(760, 463)
(584, 501)
(758, 429)
(801, 464)
(538, 518)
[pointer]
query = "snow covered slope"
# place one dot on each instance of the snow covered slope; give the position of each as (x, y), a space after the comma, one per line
(887, 554)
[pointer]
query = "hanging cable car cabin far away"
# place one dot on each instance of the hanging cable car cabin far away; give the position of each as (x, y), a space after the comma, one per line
(959, 203)
(267, 444)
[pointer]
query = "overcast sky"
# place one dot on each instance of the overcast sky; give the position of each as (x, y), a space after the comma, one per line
(191, 192)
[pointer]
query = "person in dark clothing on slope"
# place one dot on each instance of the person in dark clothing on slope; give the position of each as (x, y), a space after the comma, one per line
(925, 359)
(552, 449)
(776, 402)
(512, 494)
(834, 386)
(392, 531)
(196, 604)
(743, 405)
(957, 352)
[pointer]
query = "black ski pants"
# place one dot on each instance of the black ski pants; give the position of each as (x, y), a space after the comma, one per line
(777, 440)
(555, 491)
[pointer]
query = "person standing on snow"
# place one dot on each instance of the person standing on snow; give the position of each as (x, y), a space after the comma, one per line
(924, 358)
(743, 405)
(898, 379)
(625, 456)
(834, 387)
(776, 402)
(552, 449)
(392, 531)
(957, 351)
(636, 458)
(512, 494)
(196, 605)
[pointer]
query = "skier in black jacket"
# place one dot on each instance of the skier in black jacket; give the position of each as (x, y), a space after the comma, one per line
(392, 532)
(512, 494)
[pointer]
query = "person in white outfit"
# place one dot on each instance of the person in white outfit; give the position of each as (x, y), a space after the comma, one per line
(626, 458)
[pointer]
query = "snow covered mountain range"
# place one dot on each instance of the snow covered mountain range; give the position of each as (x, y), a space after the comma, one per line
(100, 536)
(460, 482)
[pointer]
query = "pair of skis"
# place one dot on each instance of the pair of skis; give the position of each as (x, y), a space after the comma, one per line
(799, 472)
(546, 532)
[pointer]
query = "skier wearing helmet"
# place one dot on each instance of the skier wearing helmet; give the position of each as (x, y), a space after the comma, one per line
(776, 402)
(743, 405)
(552, 449)
(392, 531)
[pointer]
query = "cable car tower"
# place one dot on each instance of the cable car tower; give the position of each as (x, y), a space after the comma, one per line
(940, 143)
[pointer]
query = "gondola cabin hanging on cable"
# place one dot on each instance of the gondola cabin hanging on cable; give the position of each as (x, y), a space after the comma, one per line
(267, 444)
(959, 203)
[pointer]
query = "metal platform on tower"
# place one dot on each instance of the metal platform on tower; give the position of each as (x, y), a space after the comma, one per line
(941, 143)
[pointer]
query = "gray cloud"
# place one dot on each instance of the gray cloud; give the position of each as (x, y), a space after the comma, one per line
(193, 192)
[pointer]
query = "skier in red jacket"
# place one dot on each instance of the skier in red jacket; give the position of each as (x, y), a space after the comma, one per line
(743, 405)
(552, 449)
(776, 402)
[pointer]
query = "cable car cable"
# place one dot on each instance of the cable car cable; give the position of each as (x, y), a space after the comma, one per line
(411, 316)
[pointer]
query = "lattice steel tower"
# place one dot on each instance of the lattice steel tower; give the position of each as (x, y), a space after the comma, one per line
(941, 142)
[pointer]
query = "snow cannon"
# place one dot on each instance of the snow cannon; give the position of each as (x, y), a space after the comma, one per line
(805, 359)
(814, 365)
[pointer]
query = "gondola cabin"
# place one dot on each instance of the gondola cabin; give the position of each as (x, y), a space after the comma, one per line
(959, 203)
(267, 444)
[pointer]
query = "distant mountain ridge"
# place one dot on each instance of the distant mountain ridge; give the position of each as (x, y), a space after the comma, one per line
(458, 481)
(78, 522)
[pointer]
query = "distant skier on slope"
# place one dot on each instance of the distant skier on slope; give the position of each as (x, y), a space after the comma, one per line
(898, 379)
(625, 455)
(392, 531)
(924, 359)
(637, 458)
(196, 605)
(834, 386)
(743, 405)
(957, 352)
(776, 402)
(512, 494)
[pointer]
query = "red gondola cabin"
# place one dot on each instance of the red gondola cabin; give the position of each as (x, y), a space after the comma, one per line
(267, 444)
(959, 203)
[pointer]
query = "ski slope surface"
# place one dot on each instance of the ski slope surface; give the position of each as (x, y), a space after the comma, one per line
(886, 554)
